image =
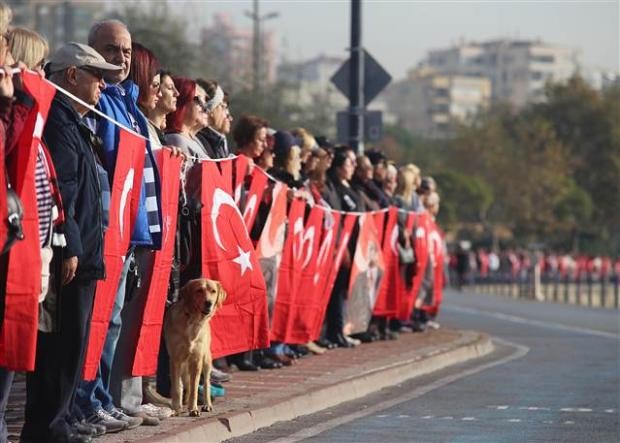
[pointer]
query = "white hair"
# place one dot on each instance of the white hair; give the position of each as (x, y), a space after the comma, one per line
(94, 30)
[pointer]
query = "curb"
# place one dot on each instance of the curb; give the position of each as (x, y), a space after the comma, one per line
(469, 346)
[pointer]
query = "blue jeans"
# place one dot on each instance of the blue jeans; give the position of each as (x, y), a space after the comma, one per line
(94, 395)
(6, 381)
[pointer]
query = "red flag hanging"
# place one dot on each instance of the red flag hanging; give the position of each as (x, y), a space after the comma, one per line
(242, 164)
(21, 310)
(305, 305)
(420, 247)
(366, 275)
(228, 256)
(147, 348)
(404, 282)
(271, 243)
(380, 218)
(343, 241)
(254, 195)
(226, 171)
(289, 272)
(125, 195)
(387, 298)
(437, 254)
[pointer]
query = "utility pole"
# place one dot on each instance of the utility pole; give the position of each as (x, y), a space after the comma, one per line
(356, 80)
(257, 43)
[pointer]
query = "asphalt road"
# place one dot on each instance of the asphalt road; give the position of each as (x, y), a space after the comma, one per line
(555, 377)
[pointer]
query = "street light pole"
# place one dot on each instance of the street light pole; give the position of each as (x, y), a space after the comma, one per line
(356, 80)
(257, 43)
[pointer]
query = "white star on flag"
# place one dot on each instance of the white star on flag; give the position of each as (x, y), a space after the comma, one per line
(243, 260)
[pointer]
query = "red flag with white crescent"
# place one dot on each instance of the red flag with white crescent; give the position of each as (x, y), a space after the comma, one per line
(437, 254)
(387, 298)
(380, 219)
(366, 274)
(226, 171)
(242, 164)
(341, 244)
(18, 336)
(271, 242)
(289, 273)
(124, 198)
(305, 306)
(228, 256)
(254, 196)
(420, 247)
(147, 347)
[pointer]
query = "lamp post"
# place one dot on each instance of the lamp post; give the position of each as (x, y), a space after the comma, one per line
(256, 44)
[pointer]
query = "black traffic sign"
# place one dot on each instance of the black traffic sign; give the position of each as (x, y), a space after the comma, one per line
(375, 78)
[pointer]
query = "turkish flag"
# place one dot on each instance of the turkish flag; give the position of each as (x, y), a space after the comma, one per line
(271, 242)
(124, 200)
(229, 257)
(380, 218)
(3, 204)
(404, 287)
(289, 272)
(366, 275)
(18, 336)
(437, 254)
(332, 271)
(147, 347)
(254, 196)
(420, 247)
(226, 171)
(242, 164)
(305, 307)
(387, 298)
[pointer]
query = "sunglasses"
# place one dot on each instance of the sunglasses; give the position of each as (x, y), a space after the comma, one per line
(97, 73)
(201, 104)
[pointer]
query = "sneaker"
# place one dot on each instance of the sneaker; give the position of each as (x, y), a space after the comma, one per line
(155, 411)
(219, 376)
(132, 422)
(432, 324)
(111, 424)
(353, 341)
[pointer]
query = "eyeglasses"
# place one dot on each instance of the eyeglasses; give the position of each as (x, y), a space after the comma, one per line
(97, 73)
(201, 104)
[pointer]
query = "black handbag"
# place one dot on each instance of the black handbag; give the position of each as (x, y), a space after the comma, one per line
(15, 216)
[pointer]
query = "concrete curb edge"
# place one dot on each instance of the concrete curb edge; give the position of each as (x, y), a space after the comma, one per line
(471, 345)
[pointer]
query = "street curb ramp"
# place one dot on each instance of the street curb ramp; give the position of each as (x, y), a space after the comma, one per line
(468, 346)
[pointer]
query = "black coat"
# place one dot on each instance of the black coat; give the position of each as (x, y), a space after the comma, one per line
(214, 143)
(72, 147)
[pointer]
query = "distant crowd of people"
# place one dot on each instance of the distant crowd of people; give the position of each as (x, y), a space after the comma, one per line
(75, 166)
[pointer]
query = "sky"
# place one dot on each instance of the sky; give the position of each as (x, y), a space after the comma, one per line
(398, 33)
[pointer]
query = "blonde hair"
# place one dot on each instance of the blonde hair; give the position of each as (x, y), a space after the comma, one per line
(27, 46)
(308, 142)
(6, 15)
(405, 183)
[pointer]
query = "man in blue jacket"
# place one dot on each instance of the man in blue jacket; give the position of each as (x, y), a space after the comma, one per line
(118, 101)
(77, 155)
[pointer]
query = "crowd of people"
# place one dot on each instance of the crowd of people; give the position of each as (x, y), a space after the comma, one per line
(481, 266)
(111, 79)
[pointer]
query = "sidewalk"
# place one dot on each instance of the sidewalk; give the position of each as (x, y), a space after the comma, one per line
(259, 399)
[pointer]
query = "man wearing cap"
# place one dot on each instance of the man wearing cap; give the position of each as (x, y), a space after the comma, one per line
(76, 155)
(95, 399)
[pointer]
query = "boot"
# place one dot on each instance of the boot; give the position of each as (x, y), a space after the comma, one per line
(150, 394)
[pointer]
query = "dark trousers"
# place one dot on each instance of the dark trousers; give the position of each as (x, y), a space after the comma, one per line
(50, 389)
(335, 308)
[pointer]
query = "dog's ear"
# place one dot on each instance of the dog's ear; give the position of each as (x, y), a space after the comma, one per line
(221, 295)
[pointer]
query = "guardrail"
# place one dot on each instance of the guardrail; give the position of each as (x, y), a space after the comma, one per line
(596, 293)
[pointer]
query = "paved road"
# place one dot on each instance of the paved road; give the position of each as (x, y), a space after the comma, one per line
(555, 377)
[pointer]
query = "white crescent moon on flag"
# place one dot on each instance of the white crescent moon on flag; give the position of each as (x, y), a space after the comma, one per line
(307, 238)
(249, 208)
(394, 238)
(126, 188)
(322, 254)
(221, 198)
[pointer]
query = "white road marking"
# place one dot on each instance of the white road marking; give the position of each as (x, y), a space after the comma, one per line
(520, 351)
(527, 321)
(568, 422)
(610, 411)
(502, 408)
(514, 420)
(403, 416)
(447, 418)
(468, 419)
(382, 416)
(428, 417)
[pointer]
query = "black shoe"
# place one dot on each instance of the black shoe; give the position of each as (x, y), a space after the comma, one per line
(268, 363)
(340, 341)
(72, 437)
(84, 428)
(300, 350)
(364, 337)
(245, 365)
(325, 343)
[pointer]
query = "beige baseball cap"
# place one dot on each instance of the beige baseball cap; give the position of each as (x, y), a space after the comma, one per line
(79, 55)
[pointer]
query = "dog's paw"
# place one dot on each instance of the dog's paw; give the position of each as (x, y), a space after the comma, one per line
(207, 408)
(194, 413)
(176, 412)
